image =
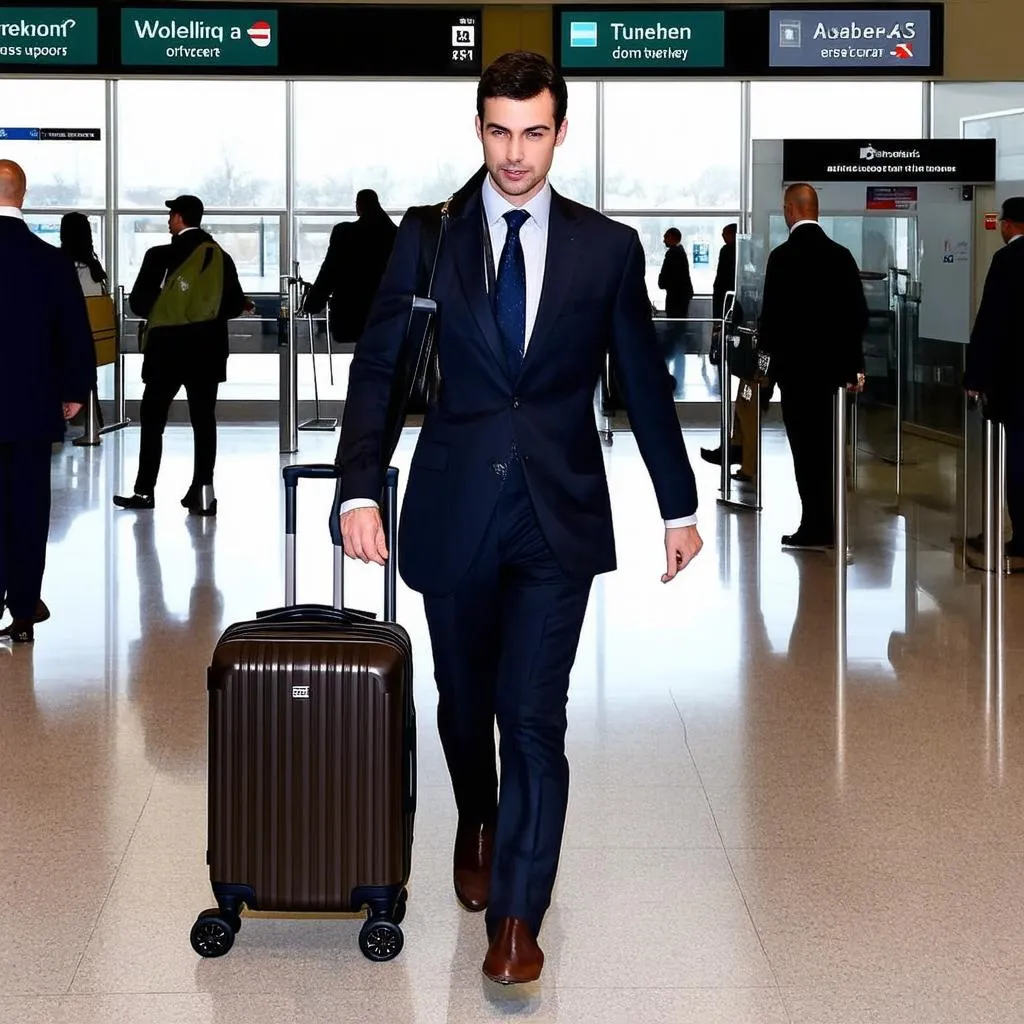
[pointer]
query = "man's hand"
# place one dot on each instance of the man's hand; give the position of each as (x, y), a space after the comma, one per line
(859, 386)
(363, 535)
(682, 545)
(72, 409)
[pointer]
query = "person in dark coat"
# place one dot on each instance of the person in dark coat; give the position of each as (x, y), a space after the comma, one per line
(813, 319)
(674, 278)
(356, 259)
(506, 517)
(995, 359)
(191, 355)
(49, 370)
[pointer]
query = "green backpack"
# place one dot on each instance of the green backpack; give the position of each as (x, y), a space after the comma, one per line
(192, 294)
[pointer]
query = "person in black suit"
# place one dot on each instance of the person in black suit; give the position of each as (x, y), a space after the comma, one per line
(813, 319)
(674, 278)
(352, 269)
(189, 355)
(507, 519)
(995, 359)
(49, 371)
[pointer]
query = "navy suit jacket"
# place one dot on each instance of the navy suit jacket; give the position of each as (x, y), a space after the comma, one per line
(593, 299)
(46, 349)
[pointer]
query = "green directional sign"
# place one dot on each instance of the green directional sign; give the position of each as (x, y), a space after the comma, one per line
(48, 35)
(178, 37)
(649, 39)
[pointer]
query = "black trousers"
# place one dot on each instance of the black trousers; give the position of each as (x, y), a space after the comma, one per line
(504, 643)
(1014, 455)
(202, 412)
(24, 523)
(807, 411)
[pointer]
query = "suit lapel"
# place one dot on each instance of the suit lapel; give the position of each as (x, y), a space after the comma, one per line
(467, 242)
(559, 269)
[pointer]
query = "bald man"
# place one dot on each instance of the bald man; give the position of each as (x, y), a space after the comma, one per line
(813, 319)
(47, 371)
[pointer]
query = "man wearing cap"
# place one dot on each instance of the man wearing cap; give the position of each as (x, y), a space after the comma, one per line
(995, 359)
(187, 291)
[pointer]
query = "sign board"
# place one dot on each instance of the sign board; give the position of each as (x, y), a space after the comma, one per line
(991, 221)
(646, 39)
(965, 161)
(49, 36)
(891, 197)
(198, 38)
(862, 38)
(51, 134)
(701, 254)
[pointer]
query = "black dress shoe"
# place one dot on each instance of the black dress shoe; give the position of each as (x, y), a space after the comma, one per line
(20, 631)
(193, 501)
(714, 455)
(801, 541)
(42, 612)
(137, 502)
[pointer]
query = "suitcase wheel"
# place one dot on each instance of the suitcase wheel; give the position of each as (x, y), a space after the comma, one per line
(380, 940)
(214, 932)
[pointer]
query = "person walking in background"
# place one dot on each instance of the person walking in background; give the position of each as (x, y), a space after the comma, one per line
(995, 360)
(506, 519)
(350, 275)
(48, 371)
(187, 291)
(813, 319)
(674, 278)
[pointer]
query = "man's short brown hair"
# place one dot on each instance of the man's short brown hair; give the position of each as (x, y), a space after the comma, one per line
(521, 76)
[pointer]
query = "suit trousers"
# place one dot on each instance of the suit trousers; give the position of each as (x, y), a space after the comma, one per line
(504, 642)
(156, 404)
(24, 523)
(1014, 456)
(807, 411)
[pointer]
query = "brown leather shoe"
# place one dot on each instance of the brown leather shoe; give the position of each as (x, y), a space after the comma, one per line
(472, 866)
(514, 958)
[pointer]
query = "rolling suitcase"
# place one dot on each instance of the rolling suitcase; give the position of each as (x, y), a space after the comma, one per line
(312, 756)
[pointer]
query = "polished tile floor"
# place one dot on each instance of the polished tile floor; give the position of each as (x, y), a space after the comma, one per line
(756, 834)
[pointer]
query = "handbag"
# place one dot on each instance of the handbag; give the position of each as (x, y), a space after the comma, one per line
(103, 323)
(747, 360)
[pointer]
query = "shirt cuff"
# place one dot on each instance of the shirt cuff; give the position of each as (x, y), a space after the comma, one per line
(676, 524)
(353, 503)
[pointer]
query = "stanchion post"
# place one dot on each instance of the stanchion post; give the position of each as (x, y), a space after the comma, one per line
(854, 440)
(726, 425)
(121, 319)
(989, 502)
(759, 449)
(841, 525)
(288, 387)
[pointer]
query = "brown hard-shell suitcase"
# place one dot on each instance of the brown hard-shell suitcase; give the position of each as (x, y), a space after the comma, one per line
(312, 756)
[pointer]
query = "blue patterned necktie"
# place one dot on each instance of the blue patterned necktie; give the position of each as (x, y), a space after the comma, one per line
(510, 292)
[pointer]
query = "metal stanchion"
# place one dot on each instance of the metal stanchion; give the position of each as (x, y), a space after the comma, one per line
(90, 437)
(725, 484)
(288, 394)
(992, 504)
(841, 525)
(121, 317)
(751, 392)
(854, 440)
(318, 422)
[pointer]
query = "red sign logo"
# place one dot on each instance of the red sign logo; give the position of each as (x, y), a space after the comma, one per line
(259, 33)
(905, 51)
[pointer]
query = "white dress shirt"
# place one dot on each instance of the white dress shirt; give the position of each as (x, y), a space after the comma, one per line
(11, 211)
(801, 223)
(534, 238)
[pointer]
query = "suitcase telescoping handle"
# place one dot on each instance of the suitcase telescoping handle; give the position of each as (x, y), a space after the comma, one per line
(389, 513)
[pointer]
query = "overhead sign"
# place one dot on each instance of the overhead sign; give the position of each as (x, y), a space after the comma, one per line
(49, 35)
(203, 37)
(891, 197)
(655, 39)
(851, 38)
(965, 161)
(50, 134)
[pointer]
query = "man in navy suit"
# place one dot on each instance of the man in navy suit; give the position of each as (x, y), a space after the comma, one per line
(49, 371)
(506, 519)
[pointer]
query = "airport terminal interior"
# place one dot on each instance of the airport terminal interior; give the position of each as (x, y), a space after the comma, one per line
(794, 775)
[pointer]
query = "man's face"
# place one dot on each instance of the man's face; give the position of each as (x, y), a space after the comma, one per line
(668, 240)
(519, 140)
(728, 236)
(789, 213)
(1009, 230)
(175, 224)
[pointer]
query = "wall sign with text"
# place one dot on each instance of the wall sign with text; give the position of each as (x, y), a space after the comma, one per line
(657, 39)
(964, 161)
(45, 36)
(863, 38)
(276, 40)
